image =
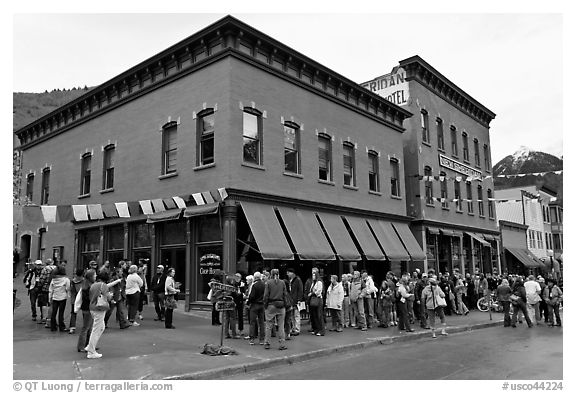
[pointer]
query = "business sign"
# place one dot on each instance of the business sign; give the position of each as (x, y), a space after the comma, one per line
(393, 87)
(458, 167)
(210, 263)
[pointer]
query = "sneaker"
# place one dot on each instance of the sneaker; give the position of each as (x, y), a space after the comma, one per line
(140, 317)
(266, 346)
(94, 355)
(364, 329)
(444, 333)
(246, 337)
(295, 334)
(252, 342)
(135, 323)
(339, 330)
(261, 343)
(433, 335)
(282, 347)
(34, 318)
(71, 330)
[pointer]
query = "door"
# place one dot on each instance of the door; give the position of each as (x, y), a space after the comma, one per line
(175, 258)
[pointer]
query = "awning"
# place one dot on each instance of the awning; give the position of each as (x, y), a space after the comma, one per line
(447, 232)
(365, 238)
(200, 210)
(267, 231)
(410, 242)
(166, 215)
(339, 237)
(457, 233)
(393, 248)
(306, 234)
(522, 256)
(478, 238)
(433, 231)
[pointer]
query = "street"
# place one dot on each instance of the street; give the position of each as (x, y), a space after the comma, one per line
(493, 353)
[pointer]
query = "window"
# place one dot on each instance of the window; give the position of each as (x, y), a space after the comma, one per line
(252, 143)
(30, 187)
(349, 170)
(476, 152)
(108, 171)
(531, 241)
(440, 132)
(486, 158)
(373, 172)
(42, 243)
(540, 243)
(454, 140)
(169, 148)
(457, 196)
(291, 147)
(45, 186)
(469, 197)
(395, 177)
(554, 215)
(428, 188)
(205, 137)
(86, 174)
(89, 246)
(557, 243)
(425, 128)
(480, 202)
(465, 152)
(444, 190)
(543, 213)
(490, 204)
(324, 158)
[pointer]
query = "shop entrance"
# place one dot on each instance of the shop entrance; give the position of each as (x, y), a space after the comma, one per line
(175, 257)
(24, 251)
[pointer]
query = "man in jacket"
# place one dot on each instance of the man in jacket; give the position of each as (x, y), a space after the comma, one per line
(31, 282)
(296, 291)
(369, 294)
(256, 302)
(357, 302)
(43, 286)
(239, 300)
(274, 300)
(421, 283)
(157, 286)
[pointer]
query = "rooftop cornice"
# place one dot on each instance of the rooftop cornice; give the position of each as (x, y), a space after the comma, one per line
(224, 37)
(418, 69)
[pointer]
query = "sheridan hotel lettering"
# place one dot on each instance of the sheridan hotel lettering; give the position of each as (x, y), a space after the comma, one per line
(458, 167)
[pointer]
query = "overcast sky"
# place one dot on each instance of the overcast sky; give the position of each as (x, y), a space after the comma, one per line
(511, 63)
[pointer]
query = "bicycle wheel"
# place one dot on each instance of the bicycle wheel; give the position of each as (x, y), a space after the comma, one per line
(482, 304)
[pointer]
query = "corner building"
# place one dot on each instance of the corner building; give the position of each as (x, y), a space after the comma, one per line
(228, 151)
(447, 168)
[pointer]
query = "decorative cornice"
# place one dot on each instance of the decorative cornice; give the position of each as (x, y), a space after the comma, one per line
(417, 69)
(228, 36)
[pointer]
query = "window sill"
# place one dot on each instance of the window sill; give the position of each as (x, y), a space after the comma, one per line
(430, 205)
(471, 214)
(488, 171)
(327, 182)
(353, 188)
(167, 175)
(84, 196)
(426, 144)
(478, 167)
(460, 211)
(441, 151)
(455, 156)
(445, 208)
(254, 166)
(106, 190)
(374, 193)
(292, 174)
(482, 216)
(396, 197)
(492, 218)
(466, 162)
(206, 166)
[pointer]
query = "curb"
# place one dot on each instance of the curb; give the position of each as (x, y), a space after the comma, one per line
(227, 371)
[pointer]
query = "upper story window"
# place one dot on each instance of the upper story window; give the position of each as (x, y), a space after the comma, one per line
(252, 133)
(169, 147)
(454, 140)
(465, 152)
(205, 137)
(108, 169)
(394, 177)
(349, 164)
(30, 187)
(490, 204)
(476, 152)
(428, 187)
(457, 196)
(425, 127)
(469, 197)
(554, 215)
(324, 157)
(486, 158)
(440, 132)
(45, 186)
(480, 202)
(444, 190)
(373, 172)
(291, 147)
(86, 174)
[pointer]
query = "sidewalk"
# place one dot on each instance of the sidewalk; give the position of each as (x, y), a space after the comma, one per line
(150, 351)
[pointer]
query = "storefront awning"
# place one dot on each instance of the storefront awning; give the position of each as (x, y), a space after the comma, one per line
(365, 238)
(267, 231)
(306, 234)
(522, 256)
(393, 248)
(478, 238)
(166, 215)
(433, 231)
(410, 242)
(200, 210)
(339, 237)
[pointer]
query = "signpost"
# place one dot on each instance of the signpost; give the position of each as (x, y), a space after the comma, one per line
(225, 304)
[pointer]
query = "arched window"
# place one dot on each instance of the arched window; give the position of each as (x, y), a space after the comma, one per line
(324, 157)
(469, 197)
(440, 132)
(480, 202)
(490, 204)
(45, 186)
(205, 137)
(291, 147)
(465, 152)
(425, 127)
(457, 195)
(30, 187)
(169, 147)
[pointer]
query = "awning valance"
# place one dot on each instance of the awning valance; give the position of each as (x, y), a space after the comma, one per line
(522, 256)
(488, 237)
(166, 215)
(409, 241)
(390, 242)
(306, 234)
(433, 230)
(365, 238)
(267, 231)
(339, 237)
(478, 238)
(200, 210)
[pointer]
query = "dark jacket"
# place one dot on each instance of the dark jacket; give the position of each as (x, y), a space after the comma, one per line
(257, 293)
(158, 283)
(296, 290)
(275, 291)
(503, 292)
(518, 290)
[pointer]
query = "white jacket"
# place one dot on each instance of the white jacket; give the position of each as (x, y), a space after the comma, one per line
(335, 296)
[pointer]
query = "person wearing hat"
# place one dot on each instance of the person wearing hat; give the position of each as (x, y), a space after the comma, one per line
(157, 285)
(434, 300)
(543, 305)
(30, 281)
(43, 284)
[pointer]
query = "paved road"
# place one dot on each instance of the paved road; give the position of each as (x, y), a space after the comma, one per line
(493, 353)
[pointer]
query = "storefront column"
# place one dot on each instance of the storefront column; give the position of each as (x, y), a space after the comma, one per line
(188, 275)
(462, 265)
(472, 249)
(154, 250)
(229, 237)
(498, 256)
(126, 242)
(424, 245)
(101, 254)
(75, 251)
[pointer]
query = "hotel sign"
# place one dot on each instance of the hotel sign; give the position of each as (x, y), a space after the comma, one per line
(393, 87)
(458, 167)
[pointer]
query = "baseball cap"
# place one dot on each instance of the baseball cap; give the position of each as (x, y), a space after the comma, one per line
(160, 267)
(38, 262)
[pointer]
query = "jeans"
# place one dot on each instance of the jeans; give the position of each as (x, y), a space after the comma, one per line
(432, 316)
(336, 318)
(168, 317)
(358, 312)
(240, 315)
(462, 309)
(288, 318)
(554, 310)
(58, 307)
(517, 307)
(346, 311)
(403, 318)
(257, 321)
(544, 310)
(120, 308)
(84, 336)
(534, 311)
(229, 320)
(158, 299)
(386, 310)
(317, 318)
(271, 314)
(72, 319)
(506, 306)
(215, 315)
(141, 299)
(132, 302)
(97, 330)
(33, 298)
(369, 311)
(295, 317)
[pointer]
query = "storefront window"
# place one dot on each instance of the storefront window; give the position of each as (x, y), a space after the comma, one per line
(89, 246)
(209, 259)
(174, 233)
(142, 235)
(209, 229)
(142, 246)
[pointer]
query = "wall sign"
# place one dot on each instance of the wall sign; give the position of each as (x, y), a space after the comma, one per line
(393, 87)
(458, 167)
(209, 263)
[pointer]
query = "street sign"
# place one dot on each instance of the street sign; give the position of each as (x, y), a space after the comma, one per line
(225, 306)
(216, 286)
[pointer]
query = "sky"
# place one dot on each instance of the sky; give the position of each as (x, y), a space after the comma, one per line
(511, 63)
